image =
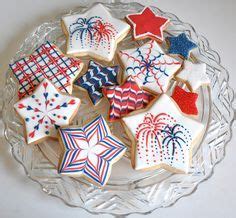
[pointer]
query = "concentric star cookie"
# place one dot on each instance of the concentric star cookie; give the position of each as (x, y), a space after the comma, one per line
(162, 136)
(180, 45)
(90, 151)
(186, 101)
(47, 61)
(126, 98)
(95, 33)
(96, 78)
(149, 66)
(147, 24)
(46, 110)
(194, 74)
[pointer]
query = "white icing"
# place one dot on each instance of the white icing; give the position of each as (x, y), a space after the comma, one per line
(150, 155)
(82, 42)
(194, 74)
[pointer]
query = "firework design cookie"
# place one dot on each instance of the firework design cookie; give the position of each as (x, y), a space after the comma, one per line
(90, 151)
(194, 75)
(180, 45)
(126, 98)
(162, 136)
(96, 78)
(47, 61)
(95, 33)
(147, 25)
(46, 110)
(186, 100)
(151, 68)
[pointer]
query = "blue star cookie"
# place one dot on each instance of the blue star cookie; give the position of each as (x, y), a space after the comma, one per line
(96, 78)
(180, 45)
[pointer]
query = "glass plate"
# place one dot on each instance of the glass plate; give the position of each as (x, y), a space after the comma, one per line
(128, 191)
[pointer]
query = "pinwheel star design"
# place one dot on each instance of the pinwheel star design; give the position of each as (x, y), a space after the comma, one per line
(96, 78)
(147, 24)
(180, 45)
(150, 66)
(90, 151)
(48, 62)
(95, 33)
(46, 110)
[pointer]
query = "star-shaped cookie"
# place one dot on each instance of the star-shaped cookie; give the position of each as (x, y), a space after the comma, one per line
(96, 78)
(46, 110)
(147, 24)
(126, 98)
(95, 32)
(150, 67)
(180, 45)
(90, 151)
(194, 74)
(47, 61)
(162, 136)
(185, 100)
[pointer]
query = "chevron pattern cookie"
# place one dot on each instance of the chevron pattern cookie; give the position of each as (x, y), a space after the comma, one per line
(90, 151)
(97, 77)
(126, 98)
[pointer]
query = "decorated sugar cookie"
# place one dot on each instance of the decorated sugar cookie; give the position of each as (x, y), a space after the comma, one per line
(194, 74)
(185, 100)
(147, 24)
(96, 78)
(95, 32)
(126, 98)
(150, 66)
(46, 110)
(162, 136)
(180, 45)
(47, 61)
(90, 151)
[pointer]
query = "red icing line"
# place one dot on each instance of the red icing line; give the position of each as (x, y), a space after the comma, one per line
(185, 100)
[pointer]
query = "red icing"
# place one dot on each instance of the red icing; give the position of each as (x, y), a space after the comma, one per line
(186, 101)
(148, 23)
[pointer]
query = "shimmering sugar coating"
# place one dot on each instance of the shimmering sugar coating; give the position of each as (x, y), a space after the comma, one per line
(150, 66)
(147, 24)
(194, 74)
(126, 98)
(180, 45)
(163, 136)
(46, 110)
(47, 61)
(90, 151)
(96, 78)
(95, 32)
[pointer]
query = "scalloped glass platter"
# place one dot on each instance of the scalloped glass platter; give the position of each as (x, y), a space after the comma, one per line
(128, 191)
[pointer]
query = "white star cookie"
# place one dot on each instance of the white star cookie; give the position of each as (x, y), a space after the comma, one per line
(194, 74)
(162, 136)
(95, 33)
(150, 66)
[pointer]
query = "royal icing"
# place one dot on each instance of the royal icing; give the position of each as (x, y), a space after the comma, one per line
(194, 74)
(47, 61)
(163, 136)
(150, 66)
(46, 110)
(186, 101)
(90, 151)
(126, 98)
(180, 45)
(147, 24)
(94, 33)
(96, 78)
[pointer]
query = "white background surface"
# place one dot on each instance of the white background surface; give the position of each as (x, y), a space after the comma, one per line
(216, 197)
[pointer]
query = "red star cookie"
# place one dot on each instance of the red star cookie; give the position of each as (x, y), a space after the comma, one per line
(147, 24)
(126, 98)
(185, 100)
